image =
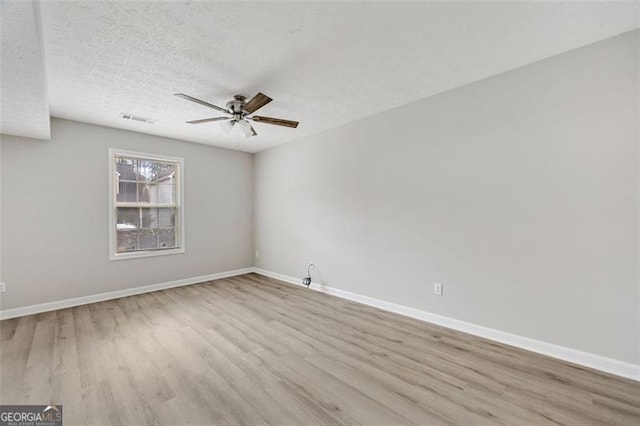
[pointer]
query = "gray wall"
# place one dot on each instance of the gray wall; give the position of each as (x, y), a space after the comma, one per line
(1, 276)
(55, 214)
(519, 193)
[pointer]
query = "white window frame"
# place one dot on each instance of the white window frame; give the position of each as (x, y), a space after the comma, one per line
(113, 236)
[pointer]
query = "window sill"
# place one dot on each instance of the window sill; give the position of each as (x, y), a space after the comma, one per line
(140, 254)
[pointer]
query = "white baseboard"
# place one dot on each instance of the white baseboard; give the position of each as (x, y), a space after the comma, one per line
(587, 359)
(76, 301)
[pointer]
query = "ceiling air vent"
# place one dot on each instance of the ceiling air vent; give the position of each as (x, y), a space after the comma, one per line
(136, 118)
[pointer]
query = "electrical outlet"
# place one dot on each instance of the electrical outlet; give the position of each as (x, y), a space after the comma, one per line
(257, 253)
(437, 289)
(311, 264)
(3, 287)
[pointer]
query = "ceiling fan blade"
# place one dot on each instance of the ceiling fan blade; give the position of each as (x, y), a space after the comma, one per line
(206, 120)
(253, 131)
(257, 102)
(276, 121)
(201, 102)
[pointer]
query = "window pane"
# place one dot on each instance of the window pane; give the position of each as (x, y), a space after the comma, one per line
(148, 239)
(149, 218)
(126, 167)
(127, 241)
(166, 191)
(167, 218)
(126, 191)
(162, 171)
(145, 170)
(144, 192)
(126, 178)
(151, 192)
(167, 238)
(128, 218)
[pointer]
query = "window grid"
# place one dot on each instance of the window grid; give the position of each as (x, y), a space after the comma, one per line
(154, 193)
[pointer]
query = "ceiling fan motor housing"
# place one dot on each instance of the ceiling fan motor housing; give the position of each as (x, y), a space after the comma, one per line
(236, 105)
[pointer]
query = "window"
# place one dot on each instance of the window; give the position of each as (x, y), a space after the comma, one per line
(145, 205)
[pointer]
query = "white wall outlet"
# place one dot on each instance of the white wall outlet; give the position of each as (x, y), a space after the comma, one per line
(3, 287)
(437, 289)
(311, 264)
(257, 253)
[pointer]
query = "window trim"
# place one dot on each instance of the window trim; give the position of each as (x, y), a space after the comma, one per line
(113, 244)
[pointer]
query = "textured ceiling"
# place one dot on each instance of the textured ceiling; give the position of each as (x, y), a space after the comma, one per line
(324, 64)
(24, 104)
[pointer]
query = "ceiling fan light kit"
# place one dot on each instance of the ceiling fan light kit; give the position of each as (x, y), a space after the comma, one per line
(239, 113)
(227, 126)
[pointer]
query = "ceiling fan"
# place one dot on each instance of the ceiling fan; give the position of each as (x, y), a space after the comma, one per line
(239, 113)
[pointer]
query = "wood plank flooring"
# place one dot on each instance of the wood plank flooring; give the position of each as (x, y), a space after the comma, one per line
(252, 350)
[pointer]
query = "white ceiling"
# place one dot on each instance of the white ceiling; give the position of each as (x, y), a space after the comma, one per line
(324, 64)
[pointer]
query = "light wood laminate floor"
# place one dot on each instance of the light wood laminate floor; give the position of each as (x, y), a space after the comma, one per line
(252, 350)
